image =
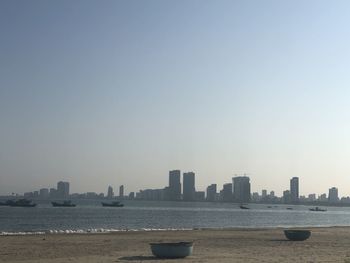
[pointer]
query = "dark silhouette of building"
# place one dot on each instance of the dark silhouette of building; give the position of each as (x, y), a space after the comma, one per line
(199, 196)
(62, 189)
(211, 192)
(333, 195)
(294, 189)
(287, 197)
(241, 189)
(110, 193)
(189, 186)
(174, 189)
(227, 193)
(121, 191)
(44, 193)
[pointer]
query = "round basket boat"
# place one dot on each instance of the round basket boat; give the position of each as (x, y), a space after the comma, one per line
(297, 234)
(172, 250)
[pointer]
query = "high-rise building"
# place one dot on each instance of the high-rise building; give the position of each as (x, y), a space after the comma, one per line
(62, 189)
(189, 189)
(44, 193)
(227, 193)
(211, 192)
(121, 191)
(272, 194)
(333, 195)
(110, 193)
(241, 189)
(294, 189)
(286, 197)
(264, 194)
(174, 190)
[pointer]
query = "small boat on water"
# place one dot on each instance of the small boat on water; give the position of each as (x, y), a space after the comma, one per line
(317, 209)
(289, 208)
(21, 203)
(113, 204)
(243, 207)
(64, 204)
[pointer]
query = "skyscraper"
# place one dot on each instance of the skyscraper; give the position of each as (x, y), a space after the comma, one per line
(227, 193)
(110, 193)
(62, 189)
(294, 189)
(333, 195)
(121, 191)
(174, 185)
(189, 186)
(211, 192)
(241, 189)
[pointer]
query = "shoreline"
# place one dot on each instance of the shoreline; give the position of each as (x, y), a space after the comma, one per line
(101, 231)
(326, 244)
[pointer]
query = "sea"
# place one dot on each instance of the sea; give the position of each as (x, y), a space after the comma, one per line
(90, 217)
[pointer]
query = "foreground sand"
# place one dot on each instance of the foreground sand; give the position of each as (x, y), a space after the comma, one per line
(258, 245)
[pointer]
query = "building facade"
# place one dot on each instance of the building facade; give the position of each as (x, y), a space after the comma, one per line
(189, 189)
(241, 189)
(294, 189)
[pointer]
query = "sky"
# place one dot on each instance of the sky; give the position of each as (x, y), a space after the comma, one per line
(102, 93)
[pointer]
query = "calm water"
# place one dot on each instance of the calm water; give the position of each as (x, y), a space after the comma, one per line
(137, 215)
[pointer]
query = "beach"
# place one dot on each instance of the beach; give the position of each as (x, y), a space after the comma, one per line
(330, 244)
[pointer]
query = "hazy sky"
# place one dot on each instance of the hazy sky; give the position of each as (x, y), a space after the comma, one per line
(120, 92)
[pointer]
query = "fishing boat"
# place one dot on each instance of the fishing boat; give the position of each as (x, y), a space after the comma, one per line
(317, 209)
(64, 204)
(113, 204)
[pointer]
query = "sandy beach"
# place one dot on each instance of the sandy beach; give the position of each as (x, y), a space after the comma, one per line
(234, 245)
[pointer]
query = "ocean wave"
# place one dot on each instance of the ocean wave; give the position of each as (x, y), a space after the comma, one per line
(87, 231)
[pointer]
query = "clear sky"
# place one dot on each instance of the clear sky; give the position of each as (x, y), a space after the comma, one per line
(105, 93)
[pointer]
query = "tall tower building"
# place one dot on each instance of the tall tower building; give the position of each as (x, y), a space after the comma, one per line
(121, 191)
(227, 193)
(62, 189)
(333, 195)
(241, 189)
(174, 185)
(189, 189)
(110, 193)
(211, 192)
(294, 189)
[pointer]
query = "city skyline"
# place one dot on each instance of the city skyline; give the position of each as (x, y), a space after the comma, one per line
(239, 191)
(118, 92)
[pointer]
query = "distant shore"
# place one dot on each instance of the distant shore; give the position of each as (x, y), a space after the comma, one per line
(328, 244)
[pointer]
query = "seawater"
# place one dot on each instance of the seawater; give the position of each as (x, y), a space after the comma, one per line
(90, 217)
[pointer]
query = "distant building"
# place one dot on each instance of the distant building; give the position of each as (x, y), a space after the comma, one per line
(255, 197)
(131, 195)
(294, 189)
(174, 190)
(211, 192)
(199, 196)
(272, 194)
(44, 193)
(286, 197)
(189, 186)
(227, 193)
(312, 197)
(333, 195)
(121, 191)
(241, 189)
(264, 194)
(53, 193)
(110, 193)
(322, 198)
(62, 189)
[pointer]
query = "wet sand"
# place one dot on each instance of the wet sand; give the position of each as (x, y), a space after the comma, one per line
(234, 245)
